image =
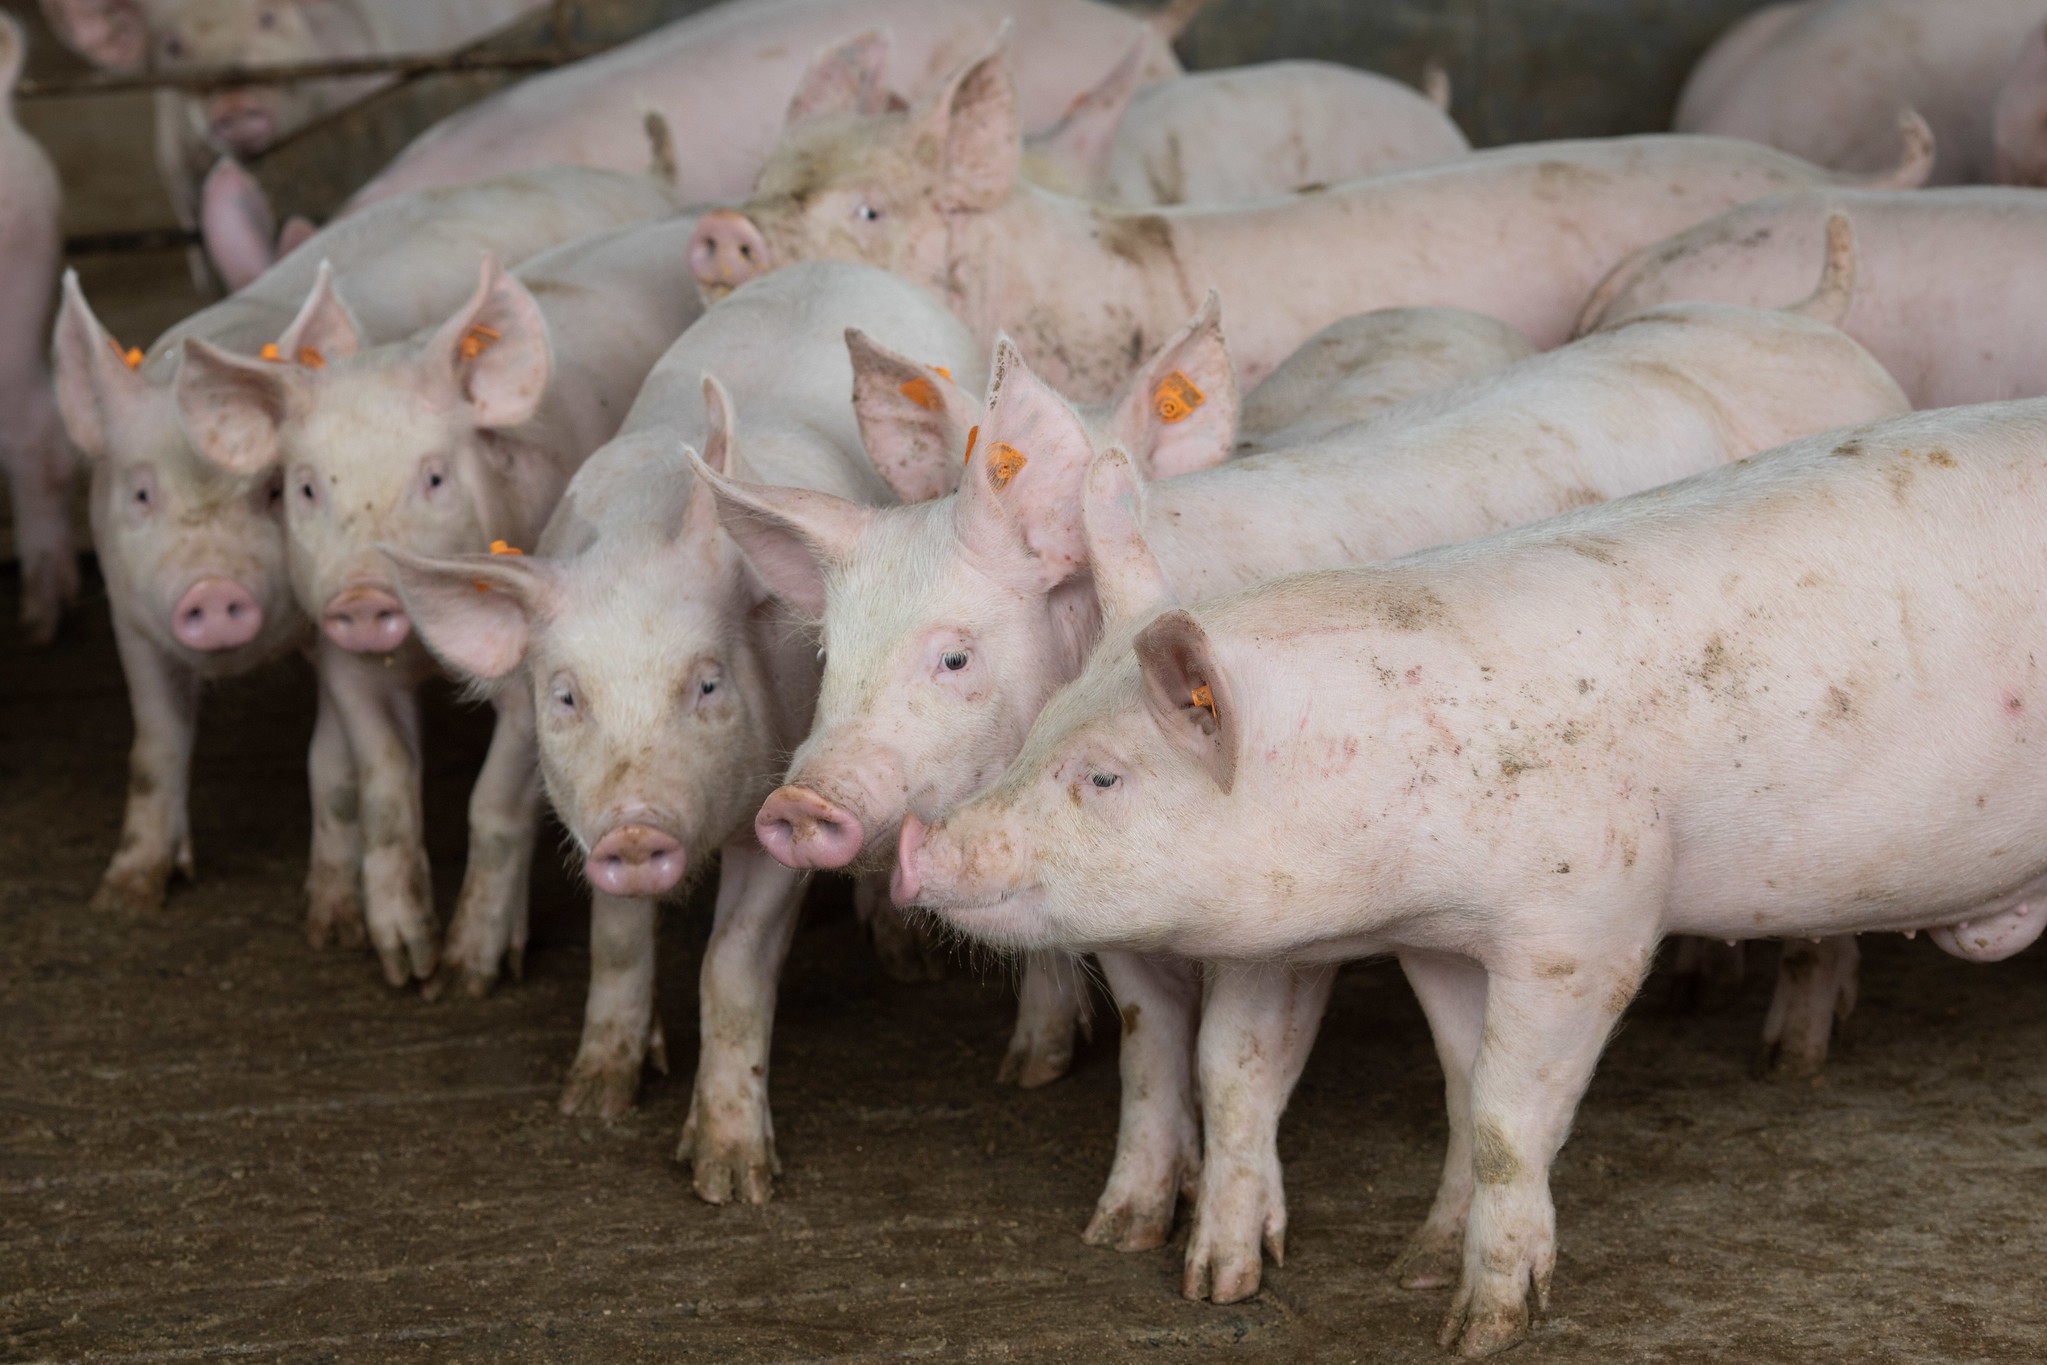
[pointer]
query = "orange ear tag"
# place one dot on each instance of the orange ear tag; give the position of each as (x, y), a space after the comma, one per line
(270, 352)
(478, 340)
(497, 547)
(1204, 699)
(973, 435)
(311, 358)
(940, 369)
(131, 357)
(922, 392)
(1004, 460)
(1176, 398)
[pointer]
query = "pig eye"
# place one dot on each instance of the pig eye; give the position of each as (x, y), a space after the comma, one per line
(306, 490)
(707, 687)
(274, 494)
(867, 213)
(954, 660)
(435, 477)
(142, 492)
(1103, 781)
(561, 696)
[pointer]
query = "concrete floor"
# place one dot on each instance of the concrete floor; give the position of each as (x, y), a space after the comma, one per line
(216, 1142)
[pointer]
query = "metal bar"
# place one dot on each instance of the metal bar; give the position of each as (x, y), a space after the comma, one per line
(220, 78)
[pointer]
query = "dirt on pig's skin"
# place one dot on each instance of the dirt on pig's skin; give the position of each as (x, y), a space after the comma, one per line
(217, 1141)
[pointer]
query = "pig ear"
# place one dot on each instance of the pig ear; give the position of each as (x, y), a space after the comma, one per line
(324, 330)
(232, 407)
(475, 612)
(1189, 694)
(790, 536)
(974, 118)
(93, 380)
(1179, 413)
(1130, 583)
(1079, 143)
(848, 79)
(494, 351)
(721, 456)
(107, 33)
(236, 224)
(1024, 475)
(913, 419)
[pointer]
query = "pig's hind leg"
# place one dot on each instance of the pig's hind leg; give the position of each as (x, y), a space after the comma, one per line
(1815, 989)
(488, 933)
(1051, 1006)
(1452, 992)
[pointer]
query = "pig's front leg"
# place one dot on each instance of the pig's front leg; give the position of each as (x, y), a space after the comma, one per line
(908, 951)
(1546, 1021)
(39, 487)
(1158, 1138)
(334, 875)
(156, 834)
(1258, 1025)
(488, 933)
(1815, 988)
(620, 1030)
(729, 1138)
(380, 713)
(1051, 1006)
(1452, 992)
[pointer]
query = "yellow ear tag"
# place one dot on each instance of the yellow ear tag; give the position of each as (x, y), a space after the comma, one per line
(1176, 398)
(131, 357)
(922, 392)
(1204, 699)
(478, 341)
(940, 369)
(1004, 460)
(311, 358)
(497, 547)
(973, 435)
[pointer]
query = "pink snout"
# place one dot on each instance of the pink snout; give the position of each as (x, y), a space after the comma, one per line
(638, 861)
(801, 829)
(726, 250)
(903, 884)
(366, 621)
(214, 614)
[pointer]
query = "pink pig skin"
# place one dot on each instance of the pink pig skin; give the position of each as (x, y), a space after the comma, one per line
(1521, 233)
(1798, 695)
(165, 522)
(723, 79)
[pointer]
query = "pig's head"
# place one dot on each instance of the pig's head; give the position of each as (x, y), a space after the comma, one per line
(947, 624)
(194, 555)
(1084, 840)
(413, 444)
(651, 656)
(853, 181)
(189, 35)
(2020, 122)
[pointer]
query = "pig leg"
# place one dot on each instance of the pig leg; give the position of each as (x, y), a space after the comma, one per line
(1158, 1138)
(489, 928)
(1452, 992)
(156, 833)
(380, 712)
(1546, 1023)
(729, 1136)
(908, 952)
(1051, 1004)
(620, 1031)
(334, 877)
(1257, 1026)
(1704, 973)
(1815, 987)
(39, 486)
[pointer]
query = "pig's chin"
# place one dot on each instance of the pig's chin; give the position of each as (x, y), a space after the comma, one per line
(244, 130)
(1013, 920)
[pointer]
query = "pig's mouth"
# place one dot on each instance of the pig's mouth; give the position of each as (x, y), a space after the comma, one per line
(242, 125)
(1008, 919)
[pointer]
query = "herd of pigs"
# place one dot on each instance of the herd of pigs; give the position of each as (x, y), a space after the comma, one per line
(1217, 523)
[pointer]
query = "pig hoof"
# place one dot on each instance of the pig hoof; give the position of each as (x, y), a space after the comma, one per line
(1240, 1218)
(601, 1090)
(1134, 1224)
(1472, 1334)
(49, 585)
(130, 891)
(335, 921)
(722, 1172)
(1431, 1260)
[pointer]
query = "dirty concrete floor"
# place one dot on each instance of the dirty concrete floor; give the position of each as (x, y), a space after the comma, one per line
(215, 1141)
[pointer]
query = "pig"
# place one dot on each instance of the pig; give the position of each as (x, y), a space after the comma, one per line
(1942, 296)
(1246, 132)
(2020, 116)
(193, 128)
(947, 625)
(723, 78)
(668, 682)
(460, 436)
(1718, 708)
(194, 560)
(32, 450)
(1521, 233)
(1823, 80)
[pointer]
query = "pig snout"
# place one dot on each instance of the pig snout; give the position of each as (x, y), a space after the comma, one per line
(215, 614)
(638, 861)
(800, 829)
(241, 123)
(366, 621)
(726, 250)
(903, 883)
